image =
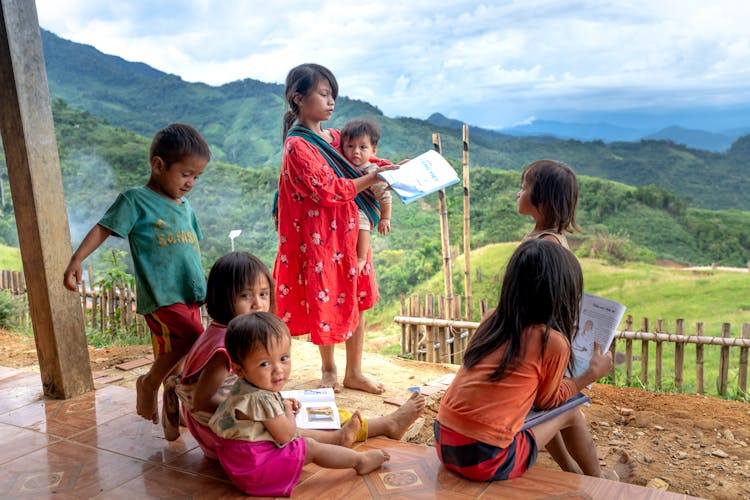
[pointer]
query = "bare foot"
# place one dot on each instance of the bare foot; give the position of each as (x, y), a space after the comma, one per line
(371, 460)
(349, 431)
(625, 467)
(170, 410)
(365, 384)
(329, 379)
(622, 470)
(400, 420)
(146, 404)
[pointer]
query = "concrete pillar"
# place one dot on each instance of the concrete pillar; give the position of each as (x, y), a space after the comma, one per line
(36, 188)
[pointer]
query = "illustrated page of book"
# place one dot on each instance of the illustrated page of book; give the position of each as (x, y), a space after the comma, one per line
(318, 408)
(425, 174)
(598, 323)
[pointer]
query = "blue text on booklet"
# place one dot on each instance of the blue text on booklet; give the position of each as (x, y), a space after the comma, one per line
(425, 174)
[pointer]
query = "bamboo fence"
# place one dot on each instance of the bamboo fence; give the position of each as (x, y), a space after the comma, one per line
(105, 310)
(427, 335)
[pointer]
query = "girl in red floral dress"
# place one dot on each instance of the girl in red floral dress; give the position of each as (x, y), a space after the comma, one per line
(319, 289)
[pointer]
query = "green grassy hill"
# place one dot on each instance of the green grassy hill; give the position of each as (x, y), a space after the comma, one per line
(648, 290)
(712, 297)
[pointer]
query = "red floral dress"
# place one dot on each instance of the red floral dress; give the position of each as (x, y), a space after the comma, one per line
(318, 289)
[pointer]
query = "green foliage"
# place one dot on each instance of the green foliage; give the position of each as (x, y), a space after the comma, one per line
(114, 275)
(115, 336)
(10, 306)
(613, 248)
(10, 258)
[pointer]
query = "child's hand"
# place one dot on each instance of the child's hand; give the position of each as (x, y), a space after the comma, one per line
(73, 275)
(292, 406)
(384, 226)
(383, 168)
(600, 364)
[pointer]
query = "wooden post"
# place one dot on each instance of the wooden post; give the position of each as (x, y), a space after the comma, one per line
(629, 352)
(467, 226)
(35, 179)
(742, 375)
(699, 387)
(459, 341)
(724, 361)
(679, 355)
(644, 354)
(444, 235)
(430, 338)
(404, 348)
(659, 329)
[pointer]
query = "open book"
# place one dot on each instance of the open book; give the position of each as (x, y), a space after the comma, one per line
(536, 417)
(318, 408)
(425, 174)
(598, 322)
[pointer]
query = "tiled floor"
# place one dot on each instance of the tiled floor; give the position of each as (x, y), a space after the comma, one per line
(95, 446)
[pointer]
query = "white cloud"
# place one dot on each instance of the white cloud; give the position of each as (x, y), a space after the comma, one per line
(495, 62)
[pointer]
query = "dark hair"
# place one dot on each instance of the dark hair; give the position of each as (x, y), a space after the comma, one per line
(543, 284)
(554, 191)
(301, 80)
(229, 275)
(247, 331)
(177, 141)
(359, 127)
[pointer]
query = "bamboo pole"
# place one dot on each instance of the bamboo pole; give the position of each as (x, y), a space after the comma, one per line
(629, 353)
(402, 300)
(679, 355)
(699, 387)
(742, 373)
(724, 361)
(659, 329)
(644, 354)
(467, 226)
(459, 339)
(659, 354)
(444, 236)
(429, 307)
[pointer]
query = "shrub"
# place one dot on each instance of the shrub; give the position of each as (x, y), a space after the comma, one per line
(614, 248)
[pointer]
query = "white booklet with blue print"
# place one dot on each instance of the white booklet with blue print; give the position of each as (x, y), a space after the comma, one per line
(425, 174)
(318, 408)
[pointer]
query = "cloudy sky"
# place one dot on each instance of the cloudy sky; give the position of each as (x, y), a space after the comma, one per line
(492, 64)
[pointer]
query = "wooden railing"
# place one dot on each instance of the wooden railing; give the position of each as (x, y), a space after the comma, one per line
(431, 336)
(103, 309)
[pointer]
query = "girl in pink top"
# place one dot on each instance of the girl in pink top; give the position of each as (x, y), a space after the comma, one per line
(240, 283)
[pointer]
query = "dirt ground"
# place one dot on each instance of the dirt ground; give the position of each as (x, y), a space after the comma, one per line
(690, 444)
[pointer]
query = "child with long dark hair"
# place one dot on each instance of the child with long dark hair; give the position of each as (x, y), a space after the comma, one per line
(549, 194)
(517, 359)
(240, 283)
(319, 288)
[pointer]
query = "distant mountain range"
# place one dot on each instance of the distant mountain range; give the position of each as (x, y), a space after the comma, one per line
(242, 122)
(607, 132)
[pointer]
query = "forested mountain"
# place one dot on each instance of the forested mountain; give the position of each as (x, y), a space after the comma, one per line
(622, 222)
(241, 121)
(105, 149)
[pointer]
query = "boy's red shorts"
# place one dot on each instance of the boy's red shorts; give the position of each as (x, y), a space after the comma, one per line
(174, 327)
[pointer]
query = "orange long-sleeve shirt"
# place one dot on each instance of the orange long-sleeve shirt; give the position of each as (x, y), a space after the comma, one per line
(493, 412)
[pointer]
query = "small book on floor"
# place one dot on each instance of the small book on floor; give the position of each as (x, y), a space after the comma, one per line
(425, 174)
(318, 408)
(536, 417)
